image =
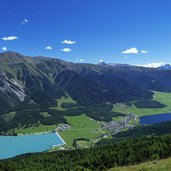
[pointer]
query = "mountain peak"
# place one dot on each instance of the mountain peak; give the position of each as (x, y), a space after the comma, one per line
(13, 57)
(10, 53)
(101, 63)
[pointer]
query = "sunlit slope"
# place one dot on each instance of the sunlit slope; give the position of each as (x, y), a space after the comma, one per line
(161, 165)
(163, 98)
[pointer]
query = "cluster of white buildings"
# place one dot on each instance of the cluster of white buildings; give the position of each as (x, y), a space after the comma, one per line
(63, 127)
(116, 126)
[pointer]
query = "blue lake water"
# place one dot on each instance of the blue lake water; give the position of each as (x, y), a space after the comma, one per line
(11, 146)
(153, 119)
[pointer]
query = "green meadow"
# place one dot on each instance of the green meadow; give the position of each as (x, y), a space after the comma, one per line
(164, 98)
(36, 129)
(45, 114)
(81, 127)
(9, 116)
(64, 99)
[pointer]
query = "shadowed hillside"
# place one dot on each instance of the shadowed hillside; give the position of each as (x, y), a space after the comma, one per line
(40, 80)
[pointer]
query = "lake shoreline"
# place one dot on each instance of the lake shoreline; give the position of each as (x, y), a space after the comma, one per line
(45, 132)
(11, 146)
(35, 133)
(60, 137)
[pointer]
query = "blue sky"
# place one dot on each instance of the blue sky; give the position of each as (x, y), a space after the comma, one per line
(115, 31)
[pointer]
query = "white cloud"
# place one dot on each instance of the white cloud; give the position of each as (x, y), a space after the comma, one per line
(48, 48)
(81, 60)
(69, 42)
(101, 60)
(153, 65)
(131, 50)
(9, 38)
(144, 51)
(4, 48)
(25, 21)
(66, 50)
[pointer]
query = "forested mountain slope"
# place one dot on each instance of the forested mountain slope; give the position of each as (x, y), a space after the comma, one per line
(39, 81)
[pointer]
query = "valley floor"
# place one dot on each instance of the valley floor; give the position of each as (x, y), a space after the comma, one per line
(84, 129)
(162, 97)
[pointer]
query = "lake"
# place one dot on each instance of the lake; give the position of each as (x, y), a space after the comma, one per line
(11, 146)
(153, 119)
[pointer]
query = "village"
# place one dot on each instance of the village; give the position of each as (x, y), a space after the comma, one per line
(116, 126)
(113, 126)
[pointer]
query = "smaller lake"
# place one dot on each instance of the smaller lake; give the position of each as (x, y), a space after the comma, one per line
(154, 119)
(11, 146)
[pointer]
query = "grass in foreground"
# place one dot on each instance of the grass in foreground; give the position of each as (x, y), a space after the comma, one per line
(161, 165)
(164, 98)
(81, 127)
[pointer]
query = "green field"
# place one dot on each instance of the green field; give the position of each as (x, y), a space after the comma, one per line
(36, 129)
(9, 116)
(45, 114)
(161, 165)
(81, 127)
(164, 98)
(63, 99)
(83, 144)
(118, 118)
(85, 127)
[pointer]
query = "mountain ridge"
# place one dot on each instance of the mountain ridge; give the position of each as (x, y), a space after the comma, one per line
(43, 79)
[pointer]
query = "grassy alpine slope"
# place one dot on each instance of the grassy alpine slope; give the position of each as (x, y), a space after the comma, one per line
(157, 165)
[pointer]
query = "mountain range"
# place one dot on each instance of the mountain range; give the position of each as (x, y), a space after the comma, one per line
(41, 80)
(166, 67)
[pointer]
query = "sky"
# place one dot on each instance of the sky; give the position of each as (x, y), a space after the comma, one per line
(136, 32)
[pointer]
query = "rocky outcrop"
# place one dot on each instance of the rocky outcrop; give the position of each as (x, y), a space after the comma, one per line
(11, 88)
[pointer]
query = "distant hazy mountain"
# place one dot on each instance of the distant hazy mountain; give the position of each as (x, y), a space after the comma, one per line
(165, 67)
(39, 80)
(112, 64)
